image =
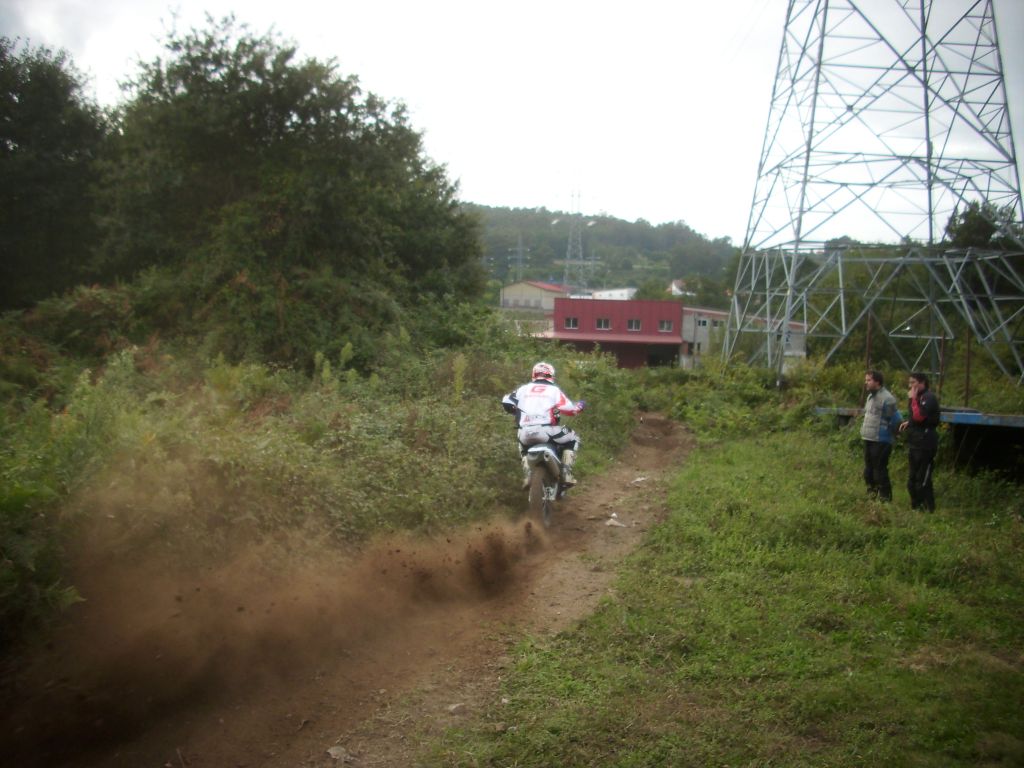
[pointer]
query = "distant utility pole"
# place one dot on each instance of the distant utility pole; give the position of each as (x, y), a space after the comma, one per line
(575, 268)
(888, 118)
(578, 269)
(520, 257)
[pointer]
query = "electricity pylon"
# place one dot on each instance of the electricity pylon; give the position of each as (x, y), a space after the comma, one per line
(578, 271)
(575, 272)
(888, 117)
(520, 257)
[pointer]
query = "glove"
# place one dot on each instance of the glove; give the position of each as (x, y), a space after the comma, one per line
(581, 405)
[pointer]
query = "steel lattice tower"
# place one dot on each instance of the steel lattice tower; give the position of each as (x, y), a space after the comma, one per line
(575, 272)
(578, 272)
(887, 118)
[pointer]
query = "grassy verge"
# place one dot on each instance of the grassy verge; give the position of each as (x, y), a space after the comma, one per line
(778, 618)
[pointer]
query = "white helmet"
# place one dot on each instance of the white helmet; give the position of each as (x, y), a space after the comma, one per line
(544, 371)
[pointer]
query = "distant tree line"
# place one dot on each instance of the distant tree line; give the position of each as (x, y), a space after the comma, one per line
(623, 253)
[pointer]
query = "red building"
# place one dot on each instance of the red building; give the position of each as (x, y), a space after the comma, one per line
(638, 333)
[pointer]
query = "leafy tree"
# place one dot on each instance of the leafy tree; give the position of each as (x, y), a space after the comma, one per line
(50, 135)
(970, 227)
(843, 241)
(983, 225)
(709, 292)
(652, 289)
(268, 183)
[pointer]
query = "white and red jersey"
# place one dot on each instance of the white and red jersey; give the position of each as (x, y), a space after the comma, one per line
(539, 403)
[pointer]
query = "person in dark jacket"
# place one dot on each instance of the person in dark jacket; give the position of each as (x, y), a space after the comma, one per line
(881, 421)
(922, 441)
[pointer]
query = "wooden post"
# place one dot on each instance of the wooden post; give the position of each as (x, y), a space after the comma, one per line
(867, 350)
(967, 377)
(942, 363)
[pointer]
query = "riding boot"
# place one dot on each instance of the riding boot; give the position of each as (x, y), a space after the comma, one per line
(526, 474)
(568, 460)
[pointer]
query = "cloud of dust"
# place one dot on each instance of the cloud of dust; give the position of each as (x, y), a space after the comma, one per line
(181, 607)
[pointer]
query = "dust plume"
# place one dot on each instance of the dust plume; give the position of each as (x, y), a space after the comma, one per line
(165, 626)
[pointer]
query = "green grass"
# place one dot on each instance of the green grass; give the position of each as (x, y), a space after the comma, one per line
(778, 618)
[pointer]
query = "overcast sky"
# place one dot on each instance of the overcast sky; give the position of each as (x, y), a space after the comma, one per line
(646, 109)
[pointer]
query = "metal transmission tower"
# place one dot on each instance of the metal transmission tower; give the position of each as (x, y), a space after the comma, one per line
(579, 270)
(888, 117)
(520, 257)
(576, 267)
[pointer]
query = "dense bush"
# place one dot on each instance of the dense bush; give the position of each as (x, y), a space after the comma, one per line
(45, 457)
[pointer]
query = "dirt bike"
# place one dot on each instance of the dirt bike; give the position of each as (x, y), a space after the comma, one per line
(546, 485)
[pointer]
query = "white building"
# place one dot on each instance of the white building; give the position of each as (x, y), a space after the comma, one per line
(616, 294)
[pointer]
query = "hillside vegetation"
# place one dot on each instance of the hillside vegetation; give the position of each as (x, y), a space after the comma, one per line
(190, 277)
(254, 203)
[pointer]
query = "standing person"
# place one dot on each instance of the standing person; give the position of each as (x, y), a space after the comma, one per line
(922, 441)
(537, 407)
(881, 421)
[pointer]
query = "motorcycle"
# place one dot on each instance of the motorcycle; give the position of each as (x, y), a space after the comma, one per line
(546, 485)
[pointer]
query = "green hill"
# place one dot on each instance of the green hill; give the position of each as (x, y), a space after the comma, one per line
(532, 243)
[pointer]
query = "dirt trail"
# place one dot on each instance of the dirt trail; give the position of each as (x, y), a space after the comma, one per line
(365, 658)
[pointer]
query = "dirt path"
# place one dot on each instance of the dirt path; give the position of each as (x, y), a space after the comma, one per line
(354, 665)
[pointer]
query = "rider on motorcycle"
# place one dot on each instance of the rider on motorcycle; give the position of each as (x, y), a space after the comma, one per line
(537, 407)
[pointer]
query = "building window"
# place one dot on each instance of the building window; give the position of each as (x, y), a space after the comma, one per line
(717, 323)
(633, 325)
(604, 324)
(572, 323)
(702, 322)
(664, 326)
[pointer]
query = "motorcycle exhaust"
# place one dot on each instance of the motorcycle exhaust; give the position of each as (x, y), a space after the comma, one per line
(542, 454)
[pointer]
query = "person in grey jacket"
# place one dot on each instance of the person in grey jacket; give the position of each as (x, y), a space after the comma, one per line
(881, 421)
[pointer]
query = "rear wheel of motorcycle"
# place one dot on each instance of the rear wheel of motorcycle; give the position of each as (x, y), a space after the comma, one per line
(538, 504)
